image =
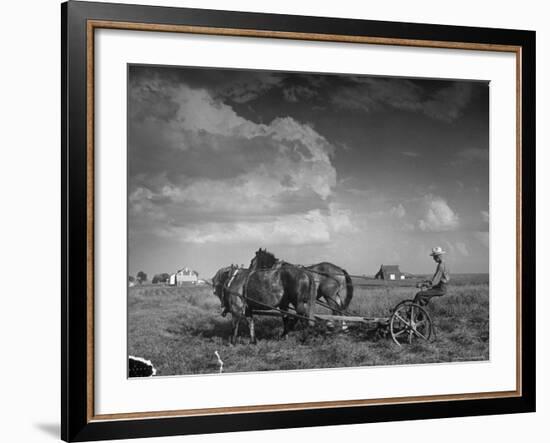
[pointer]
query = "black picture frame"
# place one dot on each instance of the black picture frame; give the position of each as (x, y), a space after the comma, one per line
(77, 424)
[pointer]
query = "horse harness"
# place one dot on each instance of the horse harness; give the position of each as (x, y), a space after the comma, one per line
(245, 298)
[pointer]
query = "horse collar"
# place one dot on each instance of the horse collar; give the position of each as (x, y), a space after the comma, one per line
(232, 277)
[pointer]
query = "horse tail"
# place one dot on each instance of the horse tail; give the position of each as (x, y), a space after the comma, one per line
(349, 289)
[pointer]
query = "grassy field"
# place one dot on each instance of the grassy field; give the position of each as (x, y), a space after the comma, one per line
(179, 330)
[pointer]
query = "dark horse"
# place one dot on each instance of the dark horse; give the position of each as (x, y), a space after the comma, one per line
(268, 284)
(334, 285)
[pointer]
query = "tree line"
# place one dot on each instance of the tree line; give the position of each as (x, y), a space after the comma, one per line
(141, 277)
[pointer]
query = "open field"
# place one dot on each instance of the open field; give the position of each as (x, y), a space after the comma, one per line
(179, 329)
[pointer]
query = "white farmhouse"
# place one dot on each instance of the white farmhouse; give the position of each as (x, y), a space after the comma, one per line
(184, 276)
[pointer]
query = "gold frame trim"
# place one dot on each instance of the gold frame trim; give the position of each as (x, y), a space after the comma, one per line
(97, 24)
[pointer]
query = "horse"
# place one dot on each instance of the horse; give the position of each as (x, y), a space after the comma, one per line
(331, 281)
(233, 292)
(228, 284)
(218, 282)
(274, 283)
(267, 286)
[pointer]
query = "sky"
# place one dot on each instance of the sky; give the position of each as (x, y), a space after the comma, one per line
(355, 170)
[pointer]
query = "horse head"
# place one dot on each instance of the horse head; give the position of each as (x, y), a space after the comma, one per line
(263, 260)
(221, 277)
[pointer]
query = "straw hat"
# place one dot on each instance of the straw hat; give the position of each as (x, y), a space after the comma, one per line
(437, 251)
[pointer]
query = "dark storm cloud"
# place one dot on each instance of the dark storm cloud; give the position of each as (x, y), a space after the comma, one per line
(249, 88)
(297, 92)
(240, 86)
(444, 101)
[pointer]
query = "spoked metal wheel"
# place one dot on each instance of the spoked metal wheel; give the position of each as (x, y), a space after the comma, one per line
(410, 322)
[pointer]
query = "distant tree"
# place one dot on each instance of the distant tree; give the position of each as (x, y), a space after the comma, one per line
(131, 279)
(141, 277)
(161, 278)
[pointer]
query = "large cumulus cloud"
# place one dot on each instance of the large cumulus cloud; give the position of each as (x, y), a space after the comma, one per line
(201, 172)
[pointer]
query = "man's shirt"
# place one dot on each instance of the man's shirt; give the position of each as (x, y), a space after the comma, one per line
(441, 274)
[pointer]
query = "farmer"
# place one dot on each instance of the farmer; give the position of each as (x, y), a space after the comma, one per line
(438, 283)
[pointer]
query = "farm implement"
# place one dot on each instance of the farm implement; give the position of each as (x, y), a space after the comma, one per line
(407, 322)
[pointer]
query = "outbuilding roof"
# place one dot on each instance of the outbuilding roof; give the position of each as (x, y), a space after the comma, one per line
(390, 268)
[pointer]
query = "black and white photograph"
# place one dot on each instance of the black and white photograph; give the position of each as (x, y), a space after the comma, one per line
(275, 221)
(283, 221)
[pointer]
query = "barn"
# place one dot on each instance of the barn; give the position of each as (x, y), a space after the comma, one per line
(390, 272)
(184, 276)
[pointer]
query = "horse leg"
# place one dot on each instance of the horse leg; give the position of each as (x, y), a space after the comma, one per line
(252, 330)
(287, 326)
(309, 304)
(339, 303)
(283, 306)
(300, 310)
(310, 314)
(235, 320)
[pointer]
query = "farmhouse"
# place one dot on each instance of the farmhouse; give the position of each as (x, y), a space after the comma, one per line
(184, 276)
(390, 272)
